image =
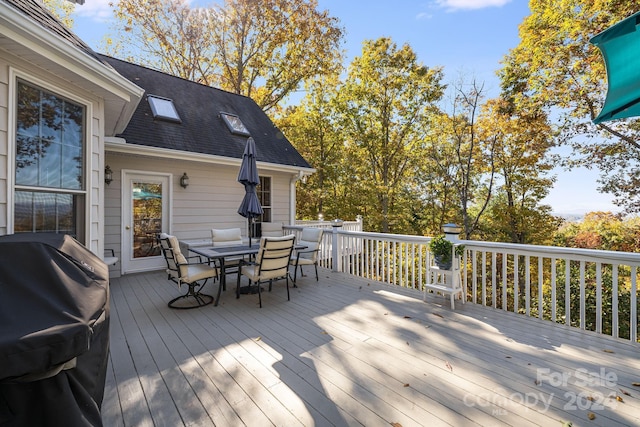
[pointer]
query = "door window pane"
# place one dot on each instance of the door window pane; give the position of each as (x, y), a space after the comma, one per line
(147, 218)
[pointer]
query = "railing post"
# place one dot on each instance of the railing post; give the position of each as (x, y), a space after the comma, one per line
(336, 265)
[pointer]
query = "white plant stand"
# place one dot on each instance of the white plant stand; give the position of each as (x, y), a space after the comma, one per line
(445, 282)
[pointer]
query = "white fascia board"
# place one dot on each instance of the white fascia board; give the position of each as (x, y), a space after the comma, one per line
(116, 145)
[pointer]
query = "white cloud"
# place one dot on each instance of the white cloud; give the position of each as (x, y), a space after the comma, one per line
(470, 4)
(423, 16)
(97, 10)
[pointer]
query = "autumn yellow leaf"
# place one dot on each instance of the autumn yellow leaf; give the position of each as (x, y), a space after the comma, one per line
(606, 350)
(591, 416)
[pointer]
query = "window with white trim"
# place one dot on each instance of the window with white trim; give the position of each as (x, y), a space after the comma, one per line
(264, 195)
(49, 193)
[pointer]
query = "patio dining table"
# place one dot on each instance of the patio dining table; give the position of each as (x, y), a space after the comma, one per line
(220, 254)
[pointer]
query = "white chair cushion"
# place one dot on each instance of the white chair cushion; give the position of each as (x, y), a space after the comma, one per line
(271, 229)
(226, 237)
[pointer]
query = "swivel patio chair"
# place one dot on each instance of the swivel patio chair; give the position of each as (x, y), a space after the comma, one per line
(272, 263)
(311, 238)
(193, 274)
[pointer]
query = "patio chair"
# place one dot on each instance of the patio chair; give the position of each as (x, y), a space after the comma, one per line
(311, 238)
(271, 229)
(223, 237)
(272, 263)
(193, 274)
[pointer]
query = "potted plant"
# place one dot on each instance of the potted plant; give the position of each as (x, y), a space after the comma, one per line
(442, 249)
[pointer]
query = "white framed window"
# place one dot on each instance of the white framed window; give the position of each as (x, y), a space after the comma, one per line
(264, 195)
(50, 168)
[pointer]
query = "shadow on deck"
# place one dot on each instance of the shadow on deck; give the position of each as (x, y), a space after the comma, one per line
(347, 351)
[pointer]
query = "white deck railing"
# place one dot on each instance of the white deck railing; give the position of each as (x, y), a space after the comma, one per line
(588, 289)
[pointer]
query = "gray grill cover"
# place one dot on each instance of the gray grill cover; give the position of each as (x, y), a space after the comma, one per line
(54, 331)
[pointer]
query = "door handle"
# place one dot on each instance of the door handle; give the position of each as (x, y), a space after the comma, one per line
(127, 228)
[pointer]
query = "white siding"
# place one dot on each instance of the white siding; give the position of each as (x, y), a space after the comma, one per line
(210, 201)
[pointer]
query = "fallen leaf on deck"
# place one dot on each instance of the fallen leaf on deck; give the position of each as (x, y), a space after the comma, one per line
(537, 382)
(590, 398)
(619, 399)
(407, 317)
(258, 339)
(396, 424)
(508, 357)
(591, 416)
(567, 424)
(386, 314)
(325, 332)
(606, 350)
(439, 315)
(406, 385)
(449, 367)
(635, 384)
(625, 392)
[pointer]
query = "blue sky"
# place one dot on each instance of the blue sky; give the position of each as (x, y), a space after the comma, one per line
(466, 37)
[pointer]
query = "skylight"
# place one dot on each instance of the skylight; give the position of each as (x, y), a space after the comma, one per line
(234, 124)
(163, 109)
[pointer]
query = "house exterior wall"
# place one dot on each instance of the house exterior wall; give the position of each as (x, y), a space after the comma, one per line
(12, 67)
(210, 201)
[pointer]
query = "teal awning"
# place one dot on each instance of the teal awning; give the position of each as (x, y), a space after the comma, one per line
(620, 47)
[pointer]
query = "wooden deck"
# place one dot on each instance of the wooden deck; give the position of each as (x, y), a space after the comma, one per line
(347, 352)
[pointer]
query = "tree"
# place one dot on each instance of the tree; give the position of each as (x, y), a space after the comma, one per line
(464, 158)
(556, 67)
(522, 140)
(261, 49)
(386, 98)
(312, 129)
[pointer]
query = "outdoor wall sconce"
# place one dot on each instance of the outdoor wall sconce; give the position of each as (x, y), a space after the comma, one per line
(184, 180)
(108, 175)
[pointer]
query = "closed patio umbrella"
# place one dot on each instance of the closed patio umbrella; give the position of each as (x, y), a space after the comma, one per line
(620, 47)
(250, 207)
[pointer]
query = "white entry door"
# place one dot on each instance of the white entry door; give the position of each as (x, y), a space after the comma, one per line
(145, 213)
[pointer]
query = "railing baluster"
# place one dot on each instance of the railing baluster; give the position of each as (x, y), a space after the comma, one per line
(554, 303)
(527, 285)
(599, 297)
(567, 292)
(583, 305)
(494, 279)
(540, 288)
(615, 327)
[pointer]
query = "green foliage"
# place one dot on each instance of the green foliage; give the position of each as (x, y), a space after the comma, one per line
(258, 49)
(442, 248)
(556, 68)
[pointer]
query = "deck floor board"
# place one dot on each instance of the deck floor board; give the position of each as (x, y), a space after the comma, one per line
(349, 352)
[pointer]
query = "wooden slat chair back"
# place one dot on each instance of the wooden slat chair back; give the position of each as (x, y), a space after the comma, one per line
(272, 263)
(194, 274)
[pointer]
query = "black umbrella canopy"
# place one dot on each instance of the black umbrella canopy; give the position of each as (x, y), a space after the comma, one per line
(248, 176)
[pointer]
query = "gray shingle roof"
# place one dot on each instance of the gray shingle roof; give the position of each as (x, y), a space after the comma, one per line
(35, 10)
(202, 129)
